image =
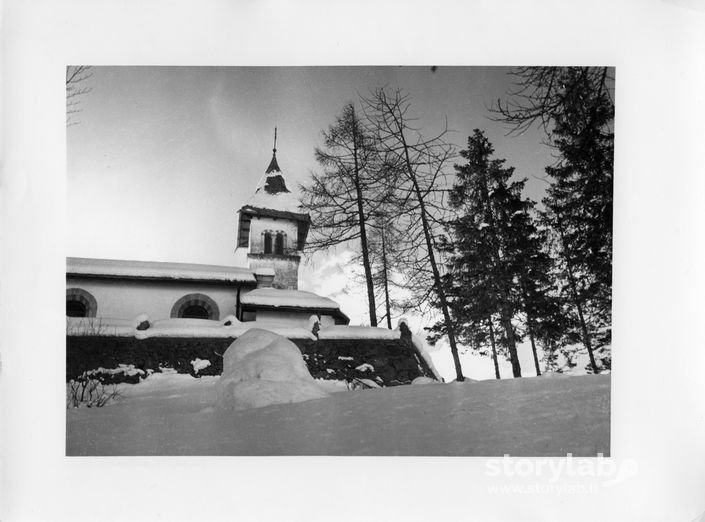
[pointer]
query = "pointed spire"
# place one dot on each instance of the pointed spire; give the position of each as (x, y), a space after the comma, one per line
(273, 165)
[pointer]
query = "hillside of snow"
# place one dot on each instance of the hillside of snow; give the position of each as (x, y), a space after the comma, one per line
(170, 414)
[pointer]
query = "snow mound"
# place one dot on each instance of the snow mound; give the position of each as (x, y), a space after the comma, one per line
(262, 368)
(423, 380)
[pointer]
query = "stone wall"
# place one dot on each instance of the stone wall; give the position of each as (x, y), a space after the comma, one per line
(387, 362)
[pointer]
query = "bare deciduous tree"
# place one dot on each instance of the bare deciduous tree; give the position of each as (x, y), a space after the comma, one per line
(416, 172)
(76, 88)
(342, 196)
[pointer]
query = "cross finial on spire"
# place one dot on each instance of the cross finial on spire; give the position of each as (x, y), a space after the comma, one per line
(273, 166)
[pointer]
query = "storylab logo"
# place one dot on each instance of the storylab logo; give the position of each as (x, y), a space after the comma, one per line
(559, 475)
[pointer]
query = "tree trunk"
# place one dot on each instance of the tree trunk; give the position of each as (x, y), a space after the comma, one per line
(533, 343)
(529, 325)
(363, 233)
(494, 349)
(432, 260)
(581, 317)
(506, 320)
(505, 306)
(386, 281)
(576, 296)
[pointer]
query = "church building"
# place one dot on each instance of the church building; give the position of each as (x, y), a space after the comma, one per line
(271, 236)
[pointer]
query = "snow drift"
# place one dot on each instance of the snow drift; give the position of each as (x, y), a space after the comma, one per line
(262, 368)
(173, 414)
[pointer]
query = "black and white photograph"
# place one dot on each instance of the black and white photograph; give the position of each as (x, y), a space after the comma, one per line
(332, 261)
(339, 260)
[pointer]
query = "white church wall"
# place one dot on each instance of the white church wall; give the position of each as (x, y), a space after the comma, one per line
(283, 318)
(240, 257)
(129, 298)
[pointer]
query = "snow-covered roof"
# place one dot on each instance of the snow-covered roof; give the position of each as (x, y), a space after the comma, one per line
(274, 297)
(113, 268)
(273, 193)
(282, 201)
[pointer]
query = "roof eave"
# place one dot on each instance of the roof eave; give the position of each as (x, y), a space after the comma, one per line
(338, 316)
(132, 277)
(261, 211)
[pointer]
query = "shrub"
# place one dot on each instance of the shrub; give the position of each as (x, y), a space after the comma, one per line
(89, 391)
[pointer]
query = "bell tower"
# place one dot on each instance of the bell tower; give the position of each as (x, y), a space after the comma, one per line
(272, 228)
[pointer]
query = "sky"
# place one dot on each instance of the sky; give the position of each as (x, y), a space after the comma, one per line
(160, 159)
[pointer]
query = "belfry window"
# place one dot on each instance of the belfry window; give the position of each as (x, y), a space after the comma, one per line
(279, 243)
(267, 242)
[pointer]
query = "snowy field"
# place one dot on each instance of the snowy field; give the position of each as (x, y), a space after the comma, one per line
(172, 414)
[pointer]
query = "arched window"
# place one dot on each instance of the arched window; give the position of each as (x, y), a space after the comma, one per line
(75, 308)
(195, 306)
(267, 242)
(195, 311)
(279, 243)
(80, 303)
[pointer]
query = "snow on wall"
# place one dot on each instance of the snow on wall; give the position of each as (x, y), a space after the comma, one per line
(356, 332)
(106, 326)
(422, 348)
(276, 317)
(200, 364)
(206, 328)
(196, 328)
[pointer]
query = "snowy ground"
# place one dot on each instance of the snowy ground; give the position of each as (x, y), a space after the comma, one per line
(169, 414)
